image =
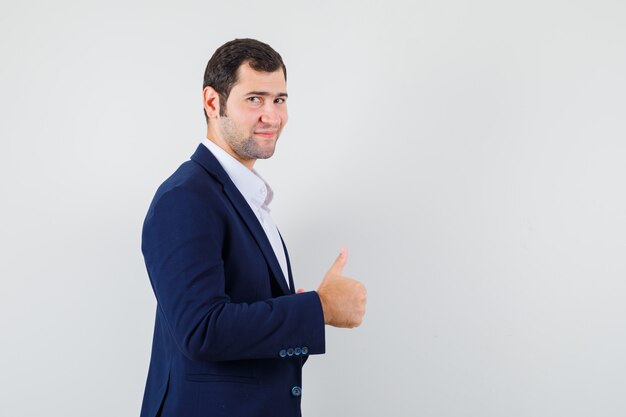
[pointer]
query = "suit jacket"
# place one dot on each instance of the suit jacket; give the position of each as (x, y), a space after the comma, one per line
(230, 337)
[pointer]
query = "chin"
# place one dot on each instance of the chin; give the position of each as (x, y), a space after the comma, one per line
(265, 155)
(267, 149)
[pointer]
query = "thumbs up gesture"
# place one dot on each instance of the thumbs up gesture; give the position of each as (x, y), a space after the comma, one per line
(343, 299)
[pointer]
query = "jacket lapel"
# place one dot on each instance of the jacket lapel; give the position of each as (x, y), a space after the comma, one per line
(291, 284)
(205, 158)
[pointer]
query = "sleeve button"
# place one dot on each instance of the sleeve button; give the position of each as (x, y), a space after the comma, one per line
(282, 353)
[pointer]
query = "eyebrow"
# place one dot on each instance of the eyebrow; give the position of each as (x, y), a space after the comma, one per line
(265, 94)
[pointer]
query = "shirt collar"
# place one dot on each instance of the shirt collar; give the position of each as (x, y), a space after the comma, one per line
(249, 183)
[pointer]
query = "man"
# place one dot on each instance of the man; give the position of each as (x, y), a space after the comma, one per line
(231, 334)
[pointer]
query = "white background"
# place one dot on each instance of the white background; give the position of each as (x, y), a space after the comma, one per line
(470, 154)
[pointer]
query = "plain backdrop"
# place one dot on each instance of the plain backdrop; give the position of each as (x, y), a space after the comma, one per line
(470, 154)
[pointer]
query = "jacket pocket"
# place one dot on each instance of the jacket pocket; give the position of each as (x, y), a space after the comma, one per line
(222, 378)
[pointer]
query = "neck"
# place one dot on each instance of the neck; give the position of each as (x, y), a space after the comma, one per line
(215, 137)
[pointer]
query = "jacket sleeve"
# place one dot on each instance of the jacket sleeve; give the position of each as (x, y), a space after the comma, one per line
(181, 243)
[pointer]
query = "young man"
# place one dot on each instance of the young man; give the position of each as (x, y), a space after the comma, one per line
(231, 334)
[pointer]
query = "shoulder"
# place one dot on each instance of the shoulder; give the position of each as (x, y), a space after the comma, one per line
(189, 185)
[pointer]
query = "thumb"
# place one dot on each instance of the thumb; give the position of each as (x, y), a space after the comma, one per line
(340, 262)
(300, 290)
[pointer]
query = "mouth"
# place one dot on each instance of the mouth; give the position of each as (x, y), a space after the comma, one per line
(267, 135)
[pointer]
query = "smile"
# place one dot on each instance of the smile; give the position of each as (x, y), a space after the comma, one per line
(266, 134)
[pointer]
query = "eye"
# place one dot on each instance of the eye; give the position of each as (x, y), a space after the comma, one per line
(254, 100)
(280, 100)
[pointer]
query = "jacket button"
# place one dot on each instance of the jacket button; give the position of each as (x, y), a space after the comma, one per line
(305, 350)
(290, 352)
(282, 353)
(297, 351)
(296, 391)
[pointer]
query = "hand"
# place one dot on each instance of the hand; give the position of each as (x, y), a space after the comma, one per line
(343, 299)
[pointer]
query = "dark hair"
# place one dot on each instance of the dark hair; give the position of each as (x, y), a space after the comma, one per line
(221, 71)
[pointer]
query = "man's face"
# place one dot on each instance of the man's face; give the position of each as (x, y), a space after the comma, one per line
(256, 112)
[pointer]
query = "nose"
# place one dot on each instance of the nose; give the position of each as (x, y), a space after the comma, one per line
(270, 116)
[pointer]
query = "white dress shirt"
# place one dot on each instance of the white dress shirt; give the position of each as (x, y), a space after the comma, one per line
(257, 193)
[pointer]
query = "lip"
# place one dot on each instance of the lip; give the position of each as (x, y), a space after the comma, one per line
(266, 134)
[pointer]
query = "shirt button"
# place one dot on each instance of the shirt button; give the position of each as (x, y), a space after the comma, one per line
(296, 391)
(305, 350)
(290, 352)
(282, 353)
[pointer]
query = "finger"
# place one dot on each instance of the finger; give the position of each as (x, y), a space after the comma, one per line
(300, 290)
(340, 262)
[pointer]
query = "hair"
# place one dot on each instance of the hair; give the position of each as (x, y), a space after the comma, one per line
(221, 71)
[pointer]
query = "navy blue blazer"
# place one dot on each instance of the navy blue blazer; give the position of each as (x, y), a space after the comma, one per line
(230, 337)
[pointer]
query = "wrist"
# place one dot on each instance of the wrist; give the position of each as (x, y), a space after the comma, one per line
(325, 308)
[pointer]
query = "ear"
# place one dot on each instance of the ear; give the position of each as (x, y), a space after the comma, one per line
(211, 102)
